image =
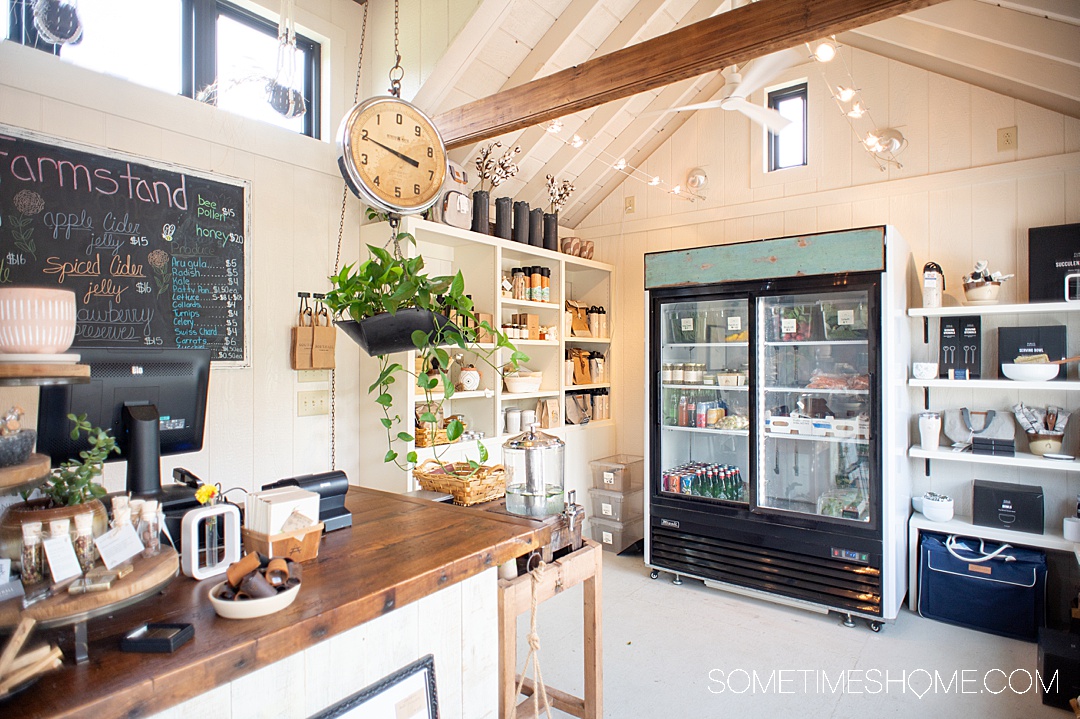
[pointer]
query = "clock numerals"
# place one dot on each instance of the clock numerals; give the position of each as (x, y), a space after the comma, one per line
(416, 189)
(399, 118)
(397, 191)
(376, 181)
(363, 158)
(431, 174)
(431, 151)
(363, 133)
(416, 130)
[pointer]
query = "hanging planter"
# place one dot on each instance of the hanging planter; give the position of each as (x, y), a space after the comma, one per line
(387, 333)
(281, 91)
(57, 21)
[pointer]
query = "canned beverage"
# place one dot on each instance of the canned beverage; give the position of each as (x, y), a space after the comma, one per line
(702, 414)
(686, 483)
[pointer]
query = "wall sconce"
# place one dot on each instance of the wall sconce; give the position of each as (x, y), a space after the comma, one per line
(886, 140)
(823, 50)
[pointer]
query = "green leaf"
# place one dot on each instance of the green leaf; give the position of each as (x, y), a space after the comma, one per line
(457, 287)
(428, 418)
(454, 428)
(474, 465)
(411, 457)
(483, 451)
(385, 399)
(386, 422)
(391, 455)
(420, 339)
(518, 357)
(405, 437)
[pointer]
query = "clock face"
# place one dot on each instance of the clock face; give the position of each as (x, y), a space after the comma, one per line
(392, 156)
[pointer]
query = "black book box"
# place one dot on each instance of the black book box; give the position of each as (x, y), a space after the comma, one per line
(1053, 253)
(1005, 505)
(1016, 342)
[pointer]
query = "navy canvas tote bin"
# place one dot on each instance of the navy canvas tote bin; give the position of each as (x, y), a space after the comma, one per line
(983, 585)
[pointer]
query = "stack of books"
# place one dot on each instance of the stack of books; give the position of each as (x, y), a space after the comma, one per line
(995, 447)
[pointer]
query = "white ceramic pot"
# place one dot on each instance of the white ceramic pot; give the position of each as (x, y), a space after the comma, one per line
(937, 507)
(1040, 444)
(924, 370)
(36, 320)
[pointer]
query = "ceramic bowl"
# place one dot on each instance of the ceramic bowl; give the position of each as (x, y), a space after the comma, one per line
(251, 608)
(924, 370)
(15, 448)
(1040, 444)
(523, 382)
(936, 507)
(36, 320)
(1030, 372)
(981, 292)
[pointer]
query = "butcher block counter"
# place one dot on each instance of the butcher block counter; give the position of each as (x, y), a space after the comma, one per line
(409, 578)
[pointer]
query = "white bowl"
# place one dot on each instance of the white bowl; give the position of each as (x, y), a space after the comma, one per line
(523, 382)
(251, 608)
(982, 292)
(36, 320)
(924, 370)
(935, 507)
(1031, 372)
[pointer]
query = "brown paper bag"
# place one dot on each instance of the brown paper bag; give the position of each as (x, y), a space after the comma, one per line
(547, 412)
(324, 341)
(582, 375)
(579, 322)
(303, 338)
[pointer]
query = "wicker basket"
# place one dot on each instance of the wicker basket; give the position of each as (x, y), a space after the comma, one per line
(459, 480)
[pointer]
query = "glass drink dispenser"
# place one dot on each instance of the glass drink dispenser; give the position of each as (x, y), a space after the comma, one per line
(535, 464)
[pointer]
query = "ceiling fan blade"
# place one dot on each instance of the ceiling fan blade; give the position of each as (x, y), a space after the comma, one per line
(760, 71)
(761, 115)
(711, 104)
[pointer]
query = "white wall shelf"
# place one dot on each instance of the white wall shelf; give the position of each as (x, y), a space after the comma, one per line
(1022, 459)
(816, 438)
(1016, 309)
(590, 340)
(582, 387)
(1053, 386)
(529, 304)
(707, 430)
(511, 396)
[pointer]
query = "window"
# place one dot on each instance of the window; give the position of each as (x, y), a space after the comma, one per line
(181, 47)
(788, 147)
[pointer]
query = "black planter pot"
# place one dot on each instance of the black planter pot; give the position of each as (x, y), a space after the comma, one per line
(521, 222)
(536, 227)
(551, 231)
(504, 217)
(387, 333)
(480, 222)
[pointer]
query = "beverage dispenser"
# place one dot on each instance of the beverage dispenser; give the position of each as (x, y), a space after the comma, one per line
(535, 465)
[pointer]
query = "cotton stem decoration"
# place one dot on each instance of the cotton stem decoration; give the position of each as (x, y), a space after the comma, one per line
(281, 92)
(558, 193)
(495, 171)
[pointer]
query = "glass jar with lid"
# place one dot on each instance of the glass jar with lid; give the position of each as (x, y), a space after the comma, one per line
(665, 372)
(677, 373)
(535, 467)
(693, 373)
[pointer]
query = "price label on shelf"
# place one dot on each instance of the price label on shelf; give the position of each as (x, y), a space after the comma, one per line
(687, 324)
(845, 317)
(734, 324)
(788, 326)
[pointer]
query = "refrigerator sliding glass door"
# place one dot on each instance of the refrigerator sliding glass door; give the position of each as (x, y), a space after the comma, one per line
(704, 400)
(815, 404)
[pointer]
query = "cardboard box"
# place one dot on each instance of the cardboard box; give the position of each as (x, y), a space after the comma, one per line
(483, 336)
(960, 347)
(1016, 342)
(530, 322)
(1053, 252)
(1005, 505)
(846, 428)
(778, 425)
(802, 425)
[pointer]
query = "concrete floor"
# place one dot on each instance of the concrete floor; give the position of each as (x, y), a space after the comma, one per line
(689, 651)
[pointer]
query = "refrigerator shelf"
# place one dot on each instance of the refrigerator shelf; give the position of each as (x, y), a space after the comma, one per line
(816, 343)
(707, 430)
(706, 344)
(725, 387)
(814, 438)
(809, 390)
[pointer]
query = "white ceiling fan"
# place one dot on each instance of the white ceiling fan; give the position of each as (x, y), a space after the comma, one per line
(740, 85)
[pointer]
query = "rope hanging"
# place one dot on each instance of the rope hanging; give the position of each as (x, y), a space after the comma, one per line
(540, 691)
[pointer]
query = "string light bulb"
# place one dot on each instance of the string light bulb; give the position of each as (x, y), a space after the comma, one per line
(856, 111)
(677, 190)
(845, 94)
(576, 142)
(824, 50)
(554, 127)
(654, 181)
(621, 164)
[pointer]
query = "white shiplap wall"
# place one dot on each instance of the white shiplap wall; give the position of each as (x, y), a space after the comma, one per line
(956, 200)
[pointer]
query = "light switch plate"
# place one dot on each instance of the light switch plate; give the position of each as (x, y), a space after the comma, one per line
(1007, 138)
(309, 404)
(313, 375)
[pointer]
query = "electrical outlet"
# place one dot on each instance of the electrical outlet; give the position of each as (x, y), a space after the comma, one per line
(313, 375)
(628, 205)
(1007, 138)
(309, 404)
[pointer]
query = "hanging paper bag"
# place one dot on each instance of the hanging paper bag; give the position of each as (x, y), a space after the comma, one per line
(582, 375)
(579, 318)
(324, 340)
(303, 338)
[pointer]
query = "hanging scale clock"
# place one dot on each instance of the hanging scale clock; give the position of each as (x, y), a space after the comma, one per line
(390, 153)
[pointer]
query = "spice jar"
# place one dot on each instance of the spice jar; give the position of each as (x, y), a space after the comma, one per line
(677, 373)
(693, 373)
(150, 530)
(33, 565)
(519, 283)
(84, 540)
(665, 372)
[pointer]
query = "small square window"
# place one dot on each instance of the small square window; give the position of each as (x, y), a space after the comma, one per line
(788, 147)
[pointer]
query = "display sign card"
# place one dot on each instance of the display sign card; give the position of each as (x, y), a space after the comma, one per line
(960, 348)
(118, 545)
(63, 564)
(1053, 253)
(1017, 342)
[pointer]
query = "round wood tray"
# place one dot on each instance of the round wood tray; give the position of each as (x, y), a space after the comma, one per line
(149, 575)
(19, 476)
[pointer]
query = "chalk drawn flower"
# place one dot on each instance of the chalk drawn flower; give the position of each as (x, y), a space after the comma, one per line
(159, 260)
(28, 202)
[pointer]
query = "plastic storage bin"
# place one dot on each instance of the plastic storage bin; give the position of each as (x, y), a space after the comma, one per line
(619, 473)
(617, 536)
(616, 506)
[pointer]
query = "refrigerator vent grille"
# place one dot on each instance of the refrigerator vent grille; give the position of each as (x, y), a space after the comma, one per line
(832, 583)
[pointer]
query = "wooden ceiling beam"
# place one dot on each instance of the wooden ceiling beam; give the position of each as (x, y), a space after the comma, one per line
(725, 39)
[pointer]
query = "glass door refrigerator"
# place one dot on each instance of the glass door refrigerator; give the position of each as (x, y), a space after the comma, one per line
(776, 468)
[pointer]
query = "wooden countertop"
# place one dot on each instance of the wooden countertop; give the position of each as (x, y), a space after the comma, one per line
(398, 550)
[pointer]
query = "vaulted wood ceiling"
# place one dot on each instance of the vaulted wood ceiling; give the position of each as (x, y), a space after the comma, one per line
(1028, 49)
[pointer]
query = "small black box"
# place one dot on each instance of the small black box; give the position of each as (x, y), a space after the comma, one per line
(1004, 505)
(1059, 667)
(1053, 252)
(1016, 342)
(960, 347)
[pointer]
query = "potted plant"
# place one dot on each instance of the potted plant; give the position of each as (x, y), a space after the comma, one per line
(388, 304)
(71, 489)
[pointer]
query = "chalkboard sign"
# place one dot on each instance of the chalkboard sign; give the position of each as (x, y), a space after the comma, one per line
(154, 253)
